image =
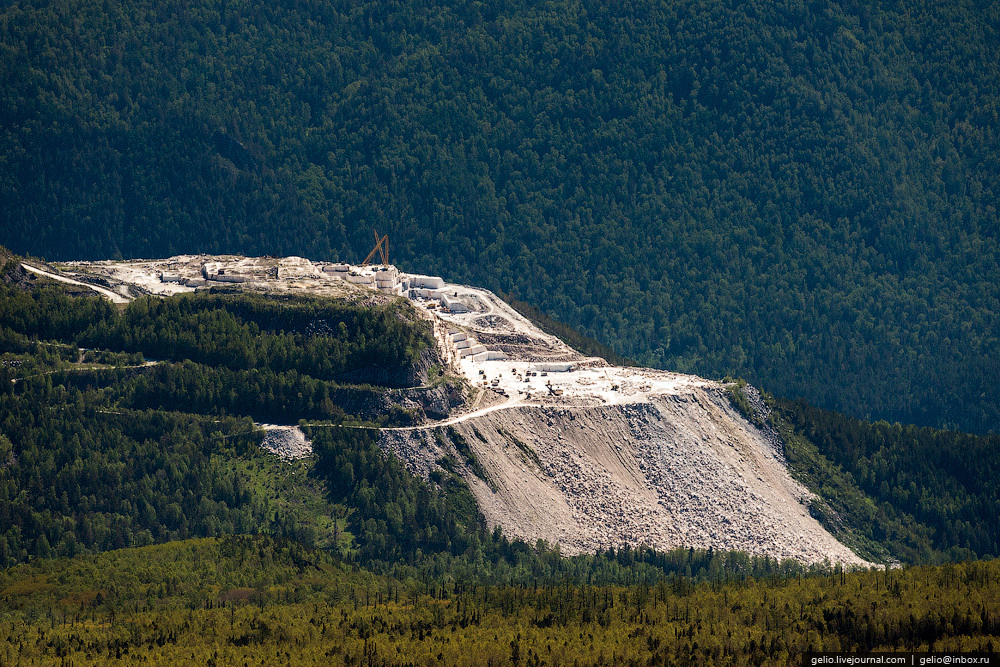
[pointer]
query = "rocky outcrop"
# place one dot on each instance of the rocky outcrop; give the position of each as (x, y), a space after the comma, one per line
(422, 403)
(16, 275)
(287, 442)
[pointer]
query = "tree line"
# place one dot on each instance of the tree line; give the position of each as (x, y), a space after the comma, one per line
(269, 600)
(923, 494)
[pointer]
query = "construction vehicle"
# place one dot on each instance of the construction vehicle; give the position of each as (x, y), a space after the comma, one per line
(614, 387)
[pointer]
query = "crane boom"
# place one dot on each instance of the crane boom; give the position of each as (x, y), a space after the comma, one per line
(385, 249)
(381, 247)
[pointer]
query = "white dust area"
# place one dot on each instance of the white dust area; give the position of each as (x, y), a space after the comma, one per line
(139, 274)
(187, 273)
(288, 442)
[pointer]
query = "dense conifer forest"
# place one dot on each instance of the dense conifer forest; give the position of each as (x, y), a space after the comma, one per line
(914, 494)
(799, 193)
(124, 428)
(265, 601)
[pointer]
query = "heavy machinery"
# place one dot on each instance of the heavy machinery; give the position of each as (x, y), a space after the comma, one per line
(614, 387)
(381, 247)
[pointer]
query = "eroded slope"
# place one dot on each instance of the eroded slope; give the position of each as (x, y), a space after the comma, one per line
(679, 469)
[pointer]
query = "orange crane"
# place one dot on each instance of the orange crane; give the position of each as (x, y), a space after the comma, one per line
(381, 247)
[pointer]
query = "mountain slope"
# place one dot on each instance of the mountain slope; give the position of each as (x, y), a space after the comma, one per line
(799, 194)
(99, 449)
(683, 470)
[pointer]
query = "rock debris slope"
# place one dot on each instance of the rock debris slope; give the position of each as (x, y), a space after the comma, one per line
(288, 442)
(681, 469)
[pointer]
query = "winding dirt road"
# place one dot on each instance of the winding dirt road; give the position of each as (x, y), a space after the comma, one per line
(113, 296)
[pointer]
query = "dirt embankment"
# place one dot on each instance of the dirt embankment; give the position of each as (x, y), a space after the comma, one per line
(682, 469)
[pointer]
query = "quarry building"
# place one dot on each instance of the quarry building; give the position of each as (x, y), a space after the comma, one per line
(430, 291)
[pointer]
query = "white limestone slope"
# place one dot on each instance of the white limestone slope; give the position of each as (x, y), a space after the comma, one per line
(681, 469)
(600, 456)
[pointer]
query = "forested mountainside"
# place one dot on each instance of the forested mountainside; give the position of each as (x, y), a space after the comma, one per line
(799, 193)
(103, 448)
(918, 494)
(147, 434)
(127, 427)
(265, 601)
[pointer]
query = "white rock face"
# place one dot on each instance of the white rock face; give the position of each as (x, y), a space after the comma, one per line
(679, 470)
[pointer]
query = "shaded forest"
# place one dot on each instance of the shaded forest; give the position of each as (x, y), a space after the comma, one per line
(801, 194)
(919, 494)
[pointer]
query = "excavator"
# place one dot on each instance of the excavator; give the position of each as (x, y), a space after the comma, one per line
(381, 247)
(614, 387)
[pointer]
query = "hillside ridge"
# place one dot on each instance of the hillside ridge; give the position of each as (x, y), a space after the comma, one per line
(554, 445)
(799, 194)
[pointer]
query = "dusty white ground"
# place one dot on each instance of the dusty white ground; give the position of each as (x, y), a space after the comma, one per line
(114, 297)
(132, 278)
(602, 456)
(589, 457)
